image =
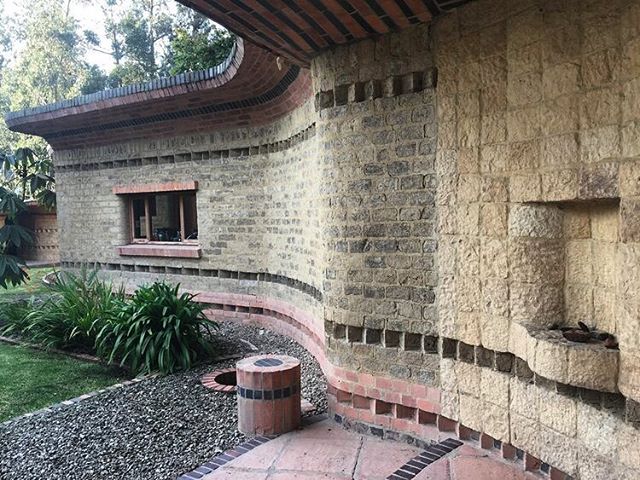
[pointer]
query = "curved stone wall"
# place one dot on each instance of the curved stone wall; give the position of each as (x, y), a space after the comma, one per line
(450, 193)
(258, 198)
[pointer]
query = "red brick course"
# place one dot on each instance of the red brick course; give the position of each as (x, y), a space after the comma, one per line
(155, 187)
(251, 76)
(277, 413)
(393, 404)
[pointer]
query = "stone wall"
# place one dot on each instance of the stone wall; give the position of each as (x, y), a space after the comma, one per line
(257, 199)
(537, 139)
(451, 192)
(377, 128)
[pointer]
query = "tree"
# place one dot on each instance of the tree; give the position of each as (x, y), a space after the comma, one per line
(5, 38)
(47, 66)
(50, 65)
(147, 39)
(198, 43)
(138, 33)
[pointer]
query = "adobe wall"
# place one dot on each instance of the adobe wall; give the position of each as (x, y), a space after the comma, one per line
(451, 192)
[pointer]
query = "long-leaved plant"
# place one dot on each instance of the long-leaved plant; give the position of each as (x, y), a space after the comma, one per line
(158, 329)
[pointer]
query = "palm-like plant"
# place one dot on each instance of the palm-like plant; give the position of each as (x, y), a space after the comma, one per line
(24, 175)
(157, 330)
(71, 317)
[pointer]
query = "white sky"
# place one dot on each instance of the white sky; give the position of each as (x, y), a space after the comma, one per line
(89, 17)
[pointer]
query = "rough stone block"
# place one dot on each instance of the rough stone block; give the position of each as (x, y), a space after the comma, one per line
(537, 221)
(599, 181)
(630, 220)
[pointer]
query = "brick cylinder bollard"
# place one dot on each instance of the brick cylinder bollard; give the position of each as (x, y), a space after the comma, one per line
(268, 394)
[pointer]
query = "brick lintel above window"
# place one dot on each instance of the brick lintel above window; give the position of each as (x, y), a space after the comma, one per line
(156, 187)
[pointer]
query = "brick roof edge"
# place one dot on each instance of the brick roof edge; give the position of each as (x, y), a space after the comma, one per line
(220, 74)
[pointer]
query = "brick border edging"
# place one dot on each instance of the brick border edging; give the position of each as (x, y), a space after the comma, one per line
(412, 407)
(224, 458)
(209, 381)
(432, 454)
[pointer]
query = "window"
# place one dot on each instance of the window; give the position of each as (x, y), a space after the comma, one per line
(163, 217)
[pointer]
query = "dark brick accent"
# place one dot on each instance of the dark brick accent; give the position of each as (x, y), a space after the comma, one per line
(466, 353)
(523, 372)
(224, 458)
(484, 357)
(207, 272)
(432, 453)
(373, 336)
(448, 347)
(632, 411)
(567, 390)
(590, 396)
(412, 341)
(391, 339)
(340, 331)
(354, 334)
(430, 344)
(615, 402)
(544, 382)
(504, 362)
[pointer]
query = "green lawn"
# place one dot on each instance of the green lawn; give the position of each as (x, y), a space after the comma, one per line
(31, 379)
(33, 286)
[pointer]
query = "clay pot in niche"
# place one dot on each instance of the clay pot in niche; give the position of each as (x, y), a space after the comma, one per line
(577, 335)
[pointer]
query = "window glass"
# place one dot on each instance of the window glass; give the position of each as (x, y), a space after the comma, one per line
(139, 219)
(173, 217)
(190, 217)
(165, 222)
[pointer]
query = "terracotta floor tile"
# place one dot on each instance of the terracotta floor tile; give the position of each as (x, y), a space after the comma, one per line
(439, 470)
(307, 476)
(310, 455)
(230, 473)
(378, 459)
(325, 451)
(487, 468)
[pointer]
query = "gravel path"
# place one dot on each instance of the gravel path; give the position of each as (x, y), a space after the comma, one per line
(156, 429)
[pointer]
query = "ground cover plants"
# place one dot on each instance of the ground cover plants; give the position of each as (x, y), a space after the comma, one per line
(157, 329)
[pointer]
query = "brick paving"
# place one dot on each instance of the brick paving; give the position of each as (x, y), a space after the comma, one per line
(323, 450)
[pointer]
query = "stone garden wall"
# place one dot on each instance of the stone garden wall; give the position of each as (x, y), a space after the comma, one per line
(451, 193)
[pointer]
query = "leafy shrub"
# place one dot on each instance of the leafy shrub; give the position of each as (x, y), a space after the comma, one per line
(80, 305)
(157, 330)
(12, 316)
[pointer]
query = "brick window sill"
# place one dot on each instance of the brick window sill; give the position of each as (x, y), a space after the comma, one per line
(160, 250)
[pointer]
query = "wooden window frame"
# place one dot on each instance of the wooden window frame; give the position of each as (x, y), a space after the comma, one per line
(147, 216)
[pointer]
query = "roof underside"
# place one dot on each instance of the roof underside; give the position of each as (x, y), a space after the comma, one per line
(250, 88)
(299, 29)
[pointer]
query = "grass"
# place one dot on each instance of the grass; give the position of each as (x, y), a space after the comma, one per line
(31, 379)
(33, 286)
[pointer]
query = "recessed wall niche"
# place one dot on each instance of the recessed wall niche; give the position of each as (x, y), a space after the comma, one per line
(562, 258)
(591, 241)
